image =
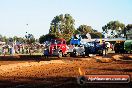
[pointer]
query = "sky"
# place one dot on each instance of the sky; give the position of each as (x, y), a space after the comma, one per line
(38, 14)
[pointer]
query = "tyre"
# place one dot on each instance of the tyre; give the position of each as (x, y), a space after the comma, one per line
(68, 55)
(74, 53)
(83, 55)
(116, 51)
(101, 53)
(60, 54)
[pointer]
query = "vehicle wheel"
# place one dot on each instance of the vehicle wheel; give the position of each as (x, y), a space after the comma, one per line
(74, 53)
(126, 52)
(101, 53)
(116, 51)
(65, 55)
(81, 80)
(60, 54)
(83, 55)
(68, 55)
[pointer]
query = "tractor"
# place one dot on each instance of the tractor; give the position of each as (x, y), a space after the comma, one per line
(128, 46)
(85, 46)
(119, 47)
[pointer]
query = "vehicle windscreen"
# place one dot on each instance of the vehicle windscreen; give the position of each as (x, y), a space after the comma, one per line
(92, 44)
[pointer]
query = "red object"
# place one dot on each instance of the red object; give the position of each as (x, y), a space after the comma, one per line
(58, 43)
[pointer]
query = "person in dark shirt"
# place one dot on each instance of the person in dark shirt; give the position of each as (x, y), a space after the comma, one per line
(46, 52)
(104, 47)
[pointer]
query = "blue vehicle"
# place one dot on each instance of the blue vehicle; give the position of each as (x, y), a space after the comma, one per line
(90, 47)
(93, 48)
(75, 40)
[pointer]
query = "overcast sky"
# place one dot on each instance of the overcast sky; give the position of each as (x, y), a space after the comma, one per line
(15, 14)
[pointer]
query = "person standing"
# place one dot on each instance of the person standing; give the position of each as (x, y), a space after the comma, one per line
(4, 51)
(46, 52)
(104, 47)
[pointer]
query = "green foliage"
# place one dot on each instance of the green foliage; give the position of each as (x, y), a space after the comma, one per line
(30, 38)
(96, 35)
(19, 39)
(84, 29)
(30, 41)
(129, 26)
(0, 37)
(46, 37)
(127, 30)
(62, 26)
(114, 27)
(4, 39)
(12, 39)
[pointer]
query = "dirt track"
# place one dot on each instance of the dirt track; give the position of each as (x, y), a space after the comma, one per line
(62, 73)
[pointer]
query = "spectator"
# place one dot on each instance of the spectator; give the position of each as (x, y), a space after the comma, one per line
(104, 47)
(4, 51)
(46, 52)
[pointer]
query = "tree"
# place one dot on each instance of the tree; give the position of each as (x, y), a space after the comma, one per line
(1, 38)
(46, 37)
(114, 29)
(62, 26)
(84, 29)
(127, 30)
(30, 38)
(19, 39)
(129, 26)
(4, 39)
(15, 38)
(97, 35)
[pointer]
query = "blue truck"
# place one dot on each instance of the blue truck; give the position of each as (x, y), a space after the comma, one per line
(75, 40)
(90, 47)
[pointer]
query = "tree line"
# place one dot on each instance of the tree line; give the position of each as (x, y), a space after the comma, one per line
(28, 39)
(62, 26)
